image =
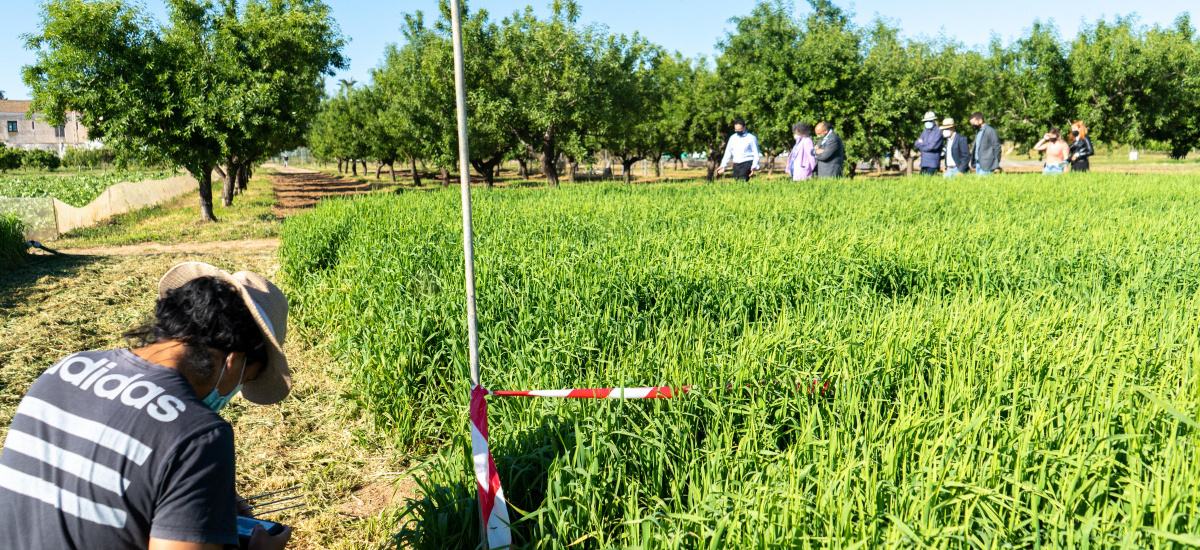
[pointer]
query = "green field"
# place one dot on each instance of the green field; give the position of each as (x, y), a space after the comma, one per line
(1014, 360)
(75, 189)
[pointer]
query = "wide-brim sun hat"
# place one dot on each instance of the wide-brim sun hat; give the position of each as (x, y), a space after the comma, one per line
(947, 124)
(269, 308)
(929, 117)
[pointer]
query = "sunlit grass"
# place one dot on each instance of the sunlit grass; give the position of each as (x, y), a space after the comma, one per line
(1015, 358)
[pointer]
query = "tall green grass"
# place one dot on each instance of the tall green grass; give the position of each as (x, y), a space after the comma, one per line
(1016, 358)
(12, 242)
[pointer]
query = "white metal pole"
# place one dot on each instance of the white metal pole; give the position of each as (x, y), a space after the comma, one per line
(464, 177)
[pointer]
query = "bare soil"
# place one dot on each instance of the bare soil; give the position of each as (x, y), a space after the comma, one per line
(297, 189)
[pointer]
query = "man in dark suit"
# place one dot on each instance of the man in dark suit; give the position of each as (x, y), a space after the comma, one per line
(829, 152)
(957, 153)
(987, 146)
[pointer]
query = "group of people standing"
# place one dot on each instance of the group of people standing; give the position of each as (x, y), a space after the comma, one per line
(819, 152)
(823, 158)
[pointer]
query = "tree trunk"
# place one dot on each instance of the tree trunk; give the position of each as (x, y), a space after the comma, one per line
(353, 167)
(549, 158)
(392, 169)
(771, 164)
(244, 176)
(908, 160)
(340, 166)
(365, 169)
(378, 168)
(206, 204)
(626, 165)
(658, 168)
(444, 175)
(572, 169)
(416, 176)
(230, 181)
(499, 165)
(523, 171)
(853, 169)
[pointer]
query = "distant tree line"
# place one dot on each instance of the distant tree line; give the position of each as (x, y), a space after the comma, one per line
(549, 88)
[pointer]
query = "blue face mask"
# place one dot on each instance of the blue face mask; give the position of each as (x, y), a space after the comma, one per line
(928, 125)
(216, 401)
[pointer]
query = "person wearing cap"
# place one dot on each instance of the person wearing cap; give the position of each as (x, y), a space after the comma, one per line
(958, 152)
(125, 448)
(930, 145)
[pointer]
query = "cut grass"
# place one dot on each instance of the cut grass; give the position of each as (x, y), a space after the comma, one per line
(1014, 358)
(178, 220)
(55, 306)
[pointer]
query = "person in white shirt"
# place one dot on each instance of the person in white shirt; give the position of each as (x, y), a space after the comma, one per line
(742, 149)
(957, 154)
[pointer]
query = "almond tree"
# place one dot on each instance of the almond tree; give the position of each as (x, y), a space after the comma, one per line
(181, 91)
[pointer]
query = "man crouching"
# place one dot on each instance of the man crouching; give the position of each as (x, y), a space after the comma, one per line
(124, 448)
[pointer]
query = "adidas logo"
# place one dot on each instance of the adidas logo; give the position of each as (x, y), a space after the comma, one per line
(86, 374)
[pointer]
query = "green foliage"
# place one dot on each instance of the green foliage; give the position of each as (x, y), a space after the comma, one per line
(74, 189)
(212, 82)
(10, 158)
(12, 242)
(41, 158)
(1013, 363)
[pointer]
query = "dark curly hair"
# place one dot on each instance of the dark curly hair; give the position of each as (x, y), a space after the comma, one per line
(205, 313)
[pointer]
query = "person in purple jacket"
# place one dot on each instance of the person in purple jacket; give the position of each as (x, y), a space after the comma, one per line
(801, 163)
(930, 145)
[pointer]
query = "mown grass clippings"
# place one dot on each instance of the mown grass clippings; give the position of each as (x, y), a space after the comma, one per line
(1015, 358)
(12, 242)
(57, 305)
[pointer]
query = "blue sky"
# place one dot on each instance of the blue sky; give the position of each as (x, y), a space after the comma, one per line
(691, 27)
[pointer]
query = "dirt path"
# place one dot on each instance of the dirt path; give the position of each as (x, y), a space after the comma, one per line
(246, 246)
(297, 189)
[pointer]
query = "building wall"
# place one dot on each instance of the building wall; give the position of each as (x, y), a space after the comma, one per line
(37, 134)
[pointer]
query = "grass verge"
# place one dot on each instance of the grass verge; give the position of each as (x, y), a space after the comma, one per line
(178, 220)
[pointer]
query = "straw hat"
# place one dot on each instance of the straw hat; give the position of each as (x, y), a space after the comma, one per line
(947, 123)
(267, 305)
(929, 117)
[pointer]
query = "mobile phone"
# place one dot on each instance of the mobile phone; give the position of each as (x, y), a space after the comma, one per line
(246, 528)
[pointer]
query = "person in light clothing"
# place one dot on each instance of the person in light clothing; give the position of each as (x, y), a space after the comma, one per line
(801, 164)
(124, 448)
(742, 149)
(1057, 152)
(958, 152)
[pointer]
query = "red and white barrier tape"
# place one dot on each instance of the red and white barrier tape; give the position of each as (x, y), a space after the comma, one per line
(657, 392)
(492, 506)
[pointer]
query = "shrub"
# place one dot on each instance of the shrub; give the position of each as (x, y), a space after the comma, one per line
(41, 158)
(10, 158)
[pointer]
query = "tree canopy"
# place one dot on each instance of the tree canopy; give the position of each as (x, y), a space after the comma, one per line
(217, 82)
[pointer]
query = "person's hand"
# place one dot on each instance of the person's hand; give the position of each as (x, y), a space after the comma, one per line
(751, 174)
(243, 506)
(260, 540)
(818, 151)
(720, 169)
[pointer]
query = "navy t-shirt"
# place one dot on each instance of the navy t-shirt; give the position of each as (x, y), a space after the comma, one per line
(108, 450)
